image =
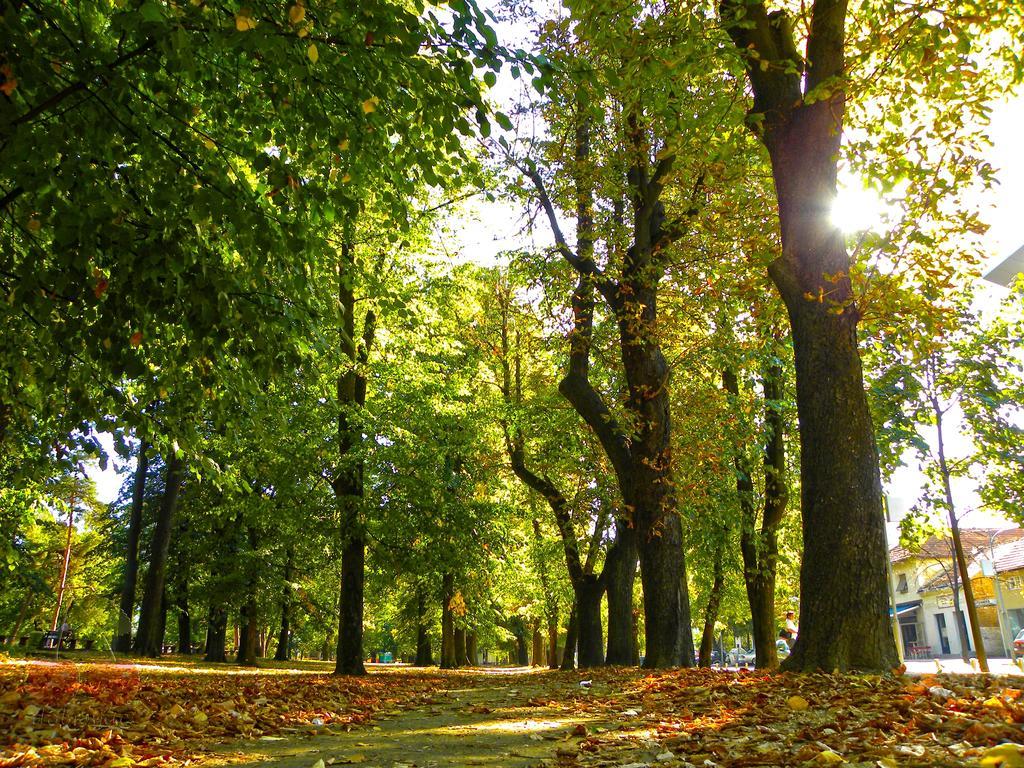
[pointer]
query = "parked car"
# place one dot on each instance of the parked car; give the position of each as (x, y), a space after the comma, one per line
(740, 658)
(1018, 645)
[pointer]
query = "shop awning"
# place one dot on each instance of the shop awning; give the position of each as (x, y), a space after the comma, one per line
(905, 608)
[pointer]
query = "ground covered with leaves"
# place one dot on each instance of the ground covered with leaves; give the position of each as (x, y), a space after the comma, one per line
(120, 715)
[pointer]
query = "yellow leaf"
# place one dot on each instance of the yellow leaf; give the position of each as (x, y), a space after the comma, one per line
(120, 762)
(799, 703)
(296, 13)
(828, 757)
(346, 178)
(370, 105)
(209, 143)
(343, 144)
(303, 32)
(244, 22)
(199, 718)
(1004, 755)
(313, 53)
(34, 225)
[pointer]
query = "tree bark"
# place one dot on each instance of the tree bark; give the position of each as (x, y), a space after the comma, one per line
(249, 634)
(472, 657)
(522, 646)
(123, 639)
(216, 632)
(619, 574)
(248, 640)
(461, 657)
(348, 481)
(147, 641)
(844, 597)
(589, 635)
(707, 637)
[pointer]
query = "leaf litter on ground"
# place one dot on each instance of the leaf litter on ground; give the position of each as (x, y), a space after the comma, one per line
(122, 715)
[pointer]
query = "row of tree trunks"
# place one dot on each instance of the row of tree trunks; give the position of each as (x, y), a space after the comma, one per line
(150, 635)
(707, 636)
(126, 609)
(640, 454)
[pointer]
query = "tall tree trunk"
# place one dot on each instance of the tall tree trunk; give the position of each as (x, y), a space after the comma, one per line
(707, 637)
(538, 645)
(249, 634)
(216, 632)
(571, 642)
(640, 454)
(448, 660)
(472, 657)
(522, 641)
(958, 549)
(283, 652)
(424, 657)
(619, 574)
(589, 636)
(123, 639)
(844, 597)
(760, 548)
(149, 637)
(958, 612)
(350, 630)
(461, 658)
(348, 481)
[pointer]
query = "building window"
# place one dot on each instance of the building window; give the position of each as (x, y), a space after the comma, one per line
(901, 587)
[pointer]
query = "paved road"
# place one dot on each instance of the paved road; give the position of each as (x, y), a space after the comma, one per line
(956, 666)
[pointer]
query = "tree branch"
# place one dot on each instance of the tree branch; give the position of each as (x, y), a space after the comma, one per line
(57, 98)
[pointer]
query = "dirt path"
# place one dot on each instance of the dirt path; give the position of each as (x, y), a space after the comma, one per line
(496, 724)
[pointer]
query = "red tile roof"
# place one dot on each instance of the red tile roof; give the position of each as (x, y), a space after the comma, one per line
(1007, 545)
